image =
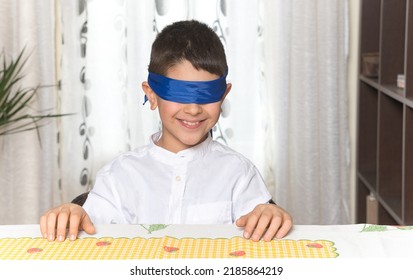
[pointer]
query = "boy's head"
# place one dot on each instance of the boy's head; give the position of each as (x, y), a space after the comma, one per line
(189, 40)
(186, 82)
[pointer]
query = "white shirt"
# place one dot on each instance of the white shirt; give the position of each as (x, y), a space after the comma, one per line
(205, 184)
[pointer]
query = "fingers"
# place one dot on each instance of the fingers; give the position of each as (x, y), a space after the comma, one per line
(273, 228)
(242, 221)
(87, 225)
(51, 220)
(55, 222)
(265, 221)
(80, 221)
(250, 222)
(257, 224)
(74, 224)
(285, 226)
(62, 221)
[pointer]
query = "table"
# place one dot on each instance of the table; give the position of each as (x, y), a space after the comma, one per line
(130, 242)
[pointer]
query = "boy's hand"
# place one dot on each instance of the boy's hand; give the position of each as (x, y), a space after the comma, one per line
(53, 223)
(267, 221)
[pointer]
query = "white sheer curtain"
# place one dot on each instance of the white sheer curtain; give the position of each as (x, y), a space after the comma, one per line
(104, 48)
(286, 111)
(308, 47)
(28, 169)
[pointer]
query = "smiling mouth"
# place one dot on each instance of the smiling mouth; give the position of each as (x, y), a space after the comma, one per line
(189, 124)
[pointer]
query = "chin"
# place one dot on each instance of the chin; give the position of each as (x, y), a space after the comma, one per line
(192, 141)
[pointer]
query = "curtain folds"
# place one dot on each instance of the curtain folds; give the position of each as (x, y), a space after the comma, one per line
(287, 110)
(311, 110)
(28, 169)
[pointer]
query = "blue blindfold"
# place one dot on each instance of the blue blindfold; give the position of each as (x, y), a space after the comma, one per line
(187, 92)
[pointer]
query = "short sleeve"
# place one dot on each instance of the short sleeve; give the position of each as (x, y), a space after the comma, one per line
(249, 192)
(103, 204)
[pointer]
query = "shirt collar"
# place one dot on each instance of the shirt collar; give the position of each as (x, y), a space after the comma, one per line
(186, 155)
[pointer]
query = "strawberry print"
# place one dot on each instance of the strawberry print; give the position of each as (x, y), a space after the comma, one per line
(315, 245)
(170, 249)
(237, 253)
(103, 243)
(34, 250)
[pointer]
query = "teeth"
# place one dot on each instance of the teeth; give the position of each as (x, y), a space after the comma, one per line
(190, 123)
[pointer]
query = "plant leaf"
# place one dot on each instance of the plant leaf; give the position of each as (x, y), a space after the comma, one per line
(16, 115)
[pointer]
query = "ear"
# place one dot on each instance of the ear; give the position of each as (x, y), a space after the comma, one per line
(229, 86)
(150, 94)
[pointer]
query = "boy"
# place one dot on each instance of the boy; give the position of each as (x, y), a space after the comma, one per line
(182, 176)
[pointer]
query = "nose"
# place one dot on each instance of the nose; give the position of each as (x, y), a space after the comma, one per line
(193, 109)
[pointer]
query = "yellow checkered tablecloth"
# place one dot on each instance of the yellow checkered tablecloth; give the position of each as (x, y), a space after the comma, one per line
(121, 248)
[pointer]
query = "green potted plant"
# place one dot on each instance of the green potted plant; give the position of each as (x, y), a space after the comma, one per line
(16, 114)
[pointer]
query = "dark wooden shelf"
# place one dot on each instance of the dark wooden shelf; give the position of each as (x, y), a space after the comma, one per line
(385, 112)
(390, 89)
(369, 180)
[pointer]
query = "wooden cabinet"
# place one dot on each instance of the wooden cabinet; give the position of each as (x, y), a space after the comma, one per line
(385, 111)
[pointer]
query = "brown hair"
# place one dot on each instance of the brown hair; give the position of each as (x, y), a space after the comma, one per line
(188, 40)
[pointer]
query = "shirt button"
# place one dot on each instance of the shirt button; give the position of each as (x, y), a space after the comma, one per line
(178, 178)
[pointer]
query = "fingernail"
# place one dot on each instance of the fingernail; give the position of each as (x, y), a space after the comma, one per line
(51, 237)
(246, 235)
(72, 237)
(60, 237)
(255, 237)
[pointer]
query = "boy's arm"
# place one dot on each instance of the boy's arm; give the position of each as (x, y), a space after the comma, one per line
(265, 221)
(53, 223)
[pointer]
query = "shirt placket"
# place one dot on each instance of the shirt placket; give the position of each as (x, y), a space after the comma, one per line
(177, 192)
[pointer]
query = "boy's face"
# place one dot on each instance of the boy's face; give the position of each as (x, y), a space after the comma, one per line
(185, 125)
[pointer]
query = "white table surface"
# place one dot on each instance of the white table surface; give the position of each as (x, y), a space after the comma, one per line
(350, 240)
